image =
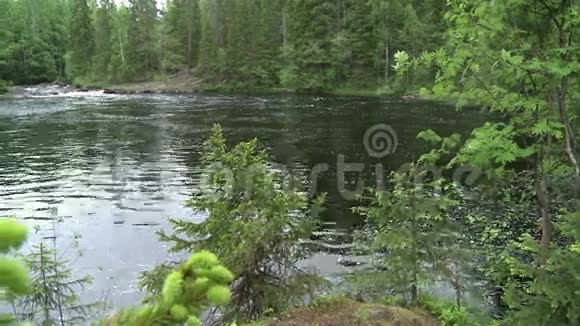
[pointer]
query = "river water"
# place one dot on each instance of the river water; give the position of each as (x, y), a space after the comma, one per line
(112, 169)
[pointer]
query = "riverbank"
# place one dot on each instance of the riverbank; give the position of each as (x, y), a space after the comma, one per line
(187, 84)
(175, 84)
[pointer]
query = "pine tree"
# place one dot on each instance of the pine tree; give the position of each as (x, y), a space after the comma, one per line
(254, 225)
(362, 66)
(188, 23)
(212, 56)
(35, 41)
(54, 298)
(142, 52)
(310, 63)
(82, 40)
(411, 228)
(120, 71)
(103, 38)
(54, 291)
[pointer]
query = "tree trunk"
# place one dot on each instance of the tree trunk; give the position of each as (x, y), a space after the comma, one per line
(387, 61)
(414, 291)
(121, 47)
(284, 29)
(562, 95)
(189, 40)
(415, 249)
(544, 207)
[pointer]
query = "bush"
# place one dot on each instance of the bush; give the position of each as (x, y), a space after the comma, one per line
(254, 224)
(544, 284)
(410, 223)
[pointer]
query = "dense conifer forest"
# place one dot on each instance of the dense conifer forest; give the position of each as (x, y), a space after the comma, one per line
(304, 45)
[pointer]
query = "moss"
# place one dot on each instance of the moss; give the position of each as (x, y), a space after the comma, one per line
(341, 311)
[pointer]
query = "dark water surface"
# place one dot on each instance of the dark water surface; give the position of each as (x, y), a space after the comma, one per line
(114, 168)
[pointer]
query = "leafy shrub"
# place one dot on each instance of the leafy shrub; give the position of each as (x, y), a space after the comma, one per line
(544, 290)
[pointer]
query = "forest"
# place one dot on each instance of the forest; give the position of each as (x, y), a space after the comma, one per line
(514, 233)
(230, 44)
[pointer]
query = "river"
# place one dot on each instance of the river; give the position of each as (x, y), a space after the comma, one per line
(112, 169)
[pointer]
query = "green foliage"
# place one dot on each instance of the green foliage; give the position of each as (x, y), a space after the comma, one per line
(82, 41)
(14, 279)
(199, 283)
(410, 227)
(544, 284)
(252, 44)
(103, 38)
(310, 51)
(240, 42)
(54, 291)
(254, 224)
(142, 51)
(329, 300)
(33, 40)
(515, 68)
(3, 86)
(447, 313)
(12, 235)
(514, 58)
(362, 315)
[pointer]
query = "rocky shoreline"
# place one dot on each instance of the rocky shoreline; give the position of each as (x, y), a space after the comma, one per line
(179, 84)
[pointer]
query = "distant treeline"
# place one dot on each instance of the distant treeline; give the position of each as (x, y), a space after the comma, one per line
(300, 44)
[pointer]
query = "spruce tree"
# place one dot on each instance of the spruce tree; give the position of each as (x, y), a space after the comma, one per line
(310, 63)
(410, 226)
(120, 71)
(362, 66)
(142, 52)
(103, 37)
(55, 292)
(254, 224)
(82, 40)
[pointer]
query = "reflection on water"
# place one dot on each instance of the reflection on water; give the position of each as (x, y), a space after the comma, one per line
(116, 167)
